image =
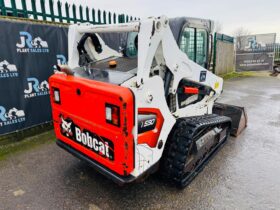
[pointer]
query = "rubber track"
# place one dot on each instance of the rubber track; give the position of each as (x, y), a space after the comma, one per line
(179, 142)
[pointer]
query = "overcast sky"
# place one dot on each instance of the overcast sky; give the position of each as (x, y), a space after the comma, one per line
(257, 16)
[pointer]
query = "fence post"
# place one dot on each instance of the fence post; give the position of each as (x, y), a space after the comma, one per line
(126, 19)
(24, 8)
(114, 18)
(43, 9)
(109, 17)
(3, 7)
(121, 18)
(104, 17)
(214, 56)
(51, 10)
(14, 8)
(74, 13)
(87, 14)
(67, 12)
(34, 10)
(93, 16)
(59, 11)
(81, 13)
(99, 16)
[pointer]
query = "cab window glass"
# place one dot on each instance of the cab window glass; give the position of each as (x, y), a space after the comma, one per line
(193, 42)
(187, 42)
(201, 47)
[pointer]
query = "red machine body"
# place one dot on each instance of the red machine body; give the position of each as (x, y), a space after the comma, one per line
(79, 112)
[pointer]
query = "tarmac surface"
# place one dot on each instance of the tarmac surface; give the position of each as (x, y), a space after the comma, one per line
(243, 175)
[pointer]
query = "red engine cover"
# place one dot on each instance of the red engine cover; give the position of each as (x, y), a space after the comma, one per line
(80, 120)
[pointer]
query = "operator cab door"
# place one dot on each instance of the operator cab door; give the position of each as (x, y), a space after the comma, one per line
(194, 42)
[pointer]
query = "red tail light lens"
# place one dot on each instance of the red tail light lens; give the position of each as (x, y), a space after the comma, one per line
(113, 114)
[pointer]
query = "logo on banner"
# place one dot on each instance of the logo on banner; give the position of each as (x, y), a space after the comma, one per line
(29, 45)
(252, 44)
(8, 70)
(35, 88)
(13, 116)
(61, 60)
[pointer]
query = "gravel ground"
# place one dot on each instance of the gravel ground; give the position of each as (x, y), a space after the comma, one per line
(243, 175)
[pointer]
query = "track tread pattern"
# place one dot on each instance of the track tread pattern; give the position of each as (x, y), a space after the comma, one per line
(179, 143)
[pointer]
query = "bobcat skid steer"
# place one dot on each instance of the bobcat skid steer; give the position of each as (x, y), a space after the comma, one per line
(129, 117)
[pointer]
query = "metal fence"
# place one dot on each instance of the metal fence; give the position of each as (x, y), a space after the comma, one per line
(64, 12)
(223, 58)
(277, 53)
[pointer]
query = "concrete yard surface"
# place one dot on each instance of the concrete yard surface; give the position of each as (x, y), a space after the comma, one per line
(243, 175)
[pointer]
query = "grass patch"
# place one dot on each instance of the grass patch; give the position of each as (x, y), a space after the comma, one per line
(26, 144)
(234, 74)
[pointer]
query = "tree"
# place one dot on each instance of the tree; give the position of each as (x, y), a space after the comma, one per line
(241, 31)
(218, 27)
(239, 34)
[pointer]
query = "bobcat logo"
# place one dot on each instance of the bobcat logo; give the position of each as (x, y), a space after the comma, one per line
(7, 70)
(99, 145)
(10, 117)
(35, 88)
(66, 127)
(29, 45)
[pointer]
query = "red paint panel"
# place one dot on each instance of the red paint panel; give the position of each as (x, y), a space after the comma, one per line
(83, 101)
(151, 137)
(191, 90)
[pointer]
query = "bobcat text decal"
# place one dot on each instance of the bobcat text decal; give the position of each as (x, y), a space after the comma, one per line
(7, 70)
(29, 45)
(35, 88)
(100, 145)
(13, 116)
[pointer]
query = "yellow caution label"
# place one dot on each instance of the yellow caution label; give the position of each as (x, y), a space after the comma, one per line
(217, 85)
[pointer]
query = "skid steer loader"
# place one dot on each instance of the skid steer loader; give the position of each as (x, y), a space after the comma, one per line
(130, 116)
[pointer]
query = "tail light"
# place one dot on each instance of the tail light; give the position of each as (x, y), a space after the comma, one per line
(56, 95)
(113, 114)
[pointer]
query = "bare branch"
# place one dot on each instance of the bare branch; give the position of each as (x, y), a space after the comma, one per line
(241, 31)
(218, 27)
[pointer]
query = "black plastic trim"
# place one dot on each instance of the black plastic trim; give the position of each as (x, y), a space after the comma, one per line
(101, 169)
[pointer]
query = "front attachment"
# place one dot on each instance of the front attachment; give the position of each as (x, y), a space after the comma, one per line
(237, 114)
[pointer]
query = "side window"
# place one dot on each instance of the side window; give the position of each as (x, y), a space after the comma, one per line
(201, 47)
(187, 42)
(193, 42)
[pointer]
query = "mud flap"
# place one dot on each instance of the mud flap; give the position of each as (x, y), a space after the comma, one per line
(237, 114)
